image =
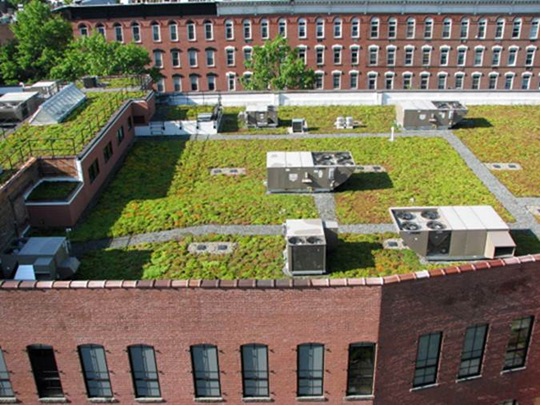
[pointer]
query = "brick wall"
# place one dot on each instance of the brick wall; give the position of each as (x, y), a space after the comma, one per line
(51, 167)
(172, 315)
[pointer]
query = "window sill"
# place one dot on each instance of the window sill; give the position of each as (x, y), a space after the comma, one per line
(102, 400)
(358, 397)
(506, 371)
(256, 400)
(208, 400)
(8, 400)
(310, 399)
(432, 385)
(53, 400)
(149, 400)
(468, 378)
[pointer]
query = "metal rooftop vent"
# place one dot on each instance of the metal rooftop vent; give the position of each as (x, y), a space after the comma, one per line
(306, 247)
(304, 171)
(428, 115)
(57, 108)
(451, 233)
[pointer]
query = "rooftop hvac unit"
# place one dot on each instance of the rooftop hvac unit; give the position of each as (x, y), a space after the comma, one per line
(427, 115)
(452, 233)
(261, 116)
(305, 247)
(298, 126)
(304, 171)
(90, 82)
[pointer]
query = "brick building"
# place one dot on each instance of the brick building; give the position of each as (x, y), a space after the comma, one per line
(461, 335)
(352, 45)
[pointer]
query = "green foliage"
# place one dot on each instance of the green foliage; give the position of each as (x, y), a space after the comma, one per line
(52, 191)
(275, 66)
(40, 40)
(93, 55)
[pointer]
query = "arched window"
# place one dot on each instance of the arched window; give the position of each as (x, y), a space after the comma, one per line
(173, 31)
(264, 28)
(229, 30)
(355, 28)
(482, 28)
(95, 371)
(191, 33)
(464, 28)
(500, 28)
(136, 32)
(410, 28)
(391, 28)
(301, 28)
(320, 28)
(143, 366)
(100, 28)
(205, 369)
(282, 27)
(119, 35)
(337, 28)
(446, 28)
(374, 28)
(156, 34)
(429, 26)
(83, 30)
(247, 29)
(517, 28)
(534, 28)
(209, 30)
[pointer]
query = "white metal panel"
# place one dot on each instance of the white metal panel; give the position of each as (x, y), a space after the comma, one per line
(307, 161)
(469, 217)
(452, 218)
(293, 159)
(489, 218)
(276, 159)
(305, 227)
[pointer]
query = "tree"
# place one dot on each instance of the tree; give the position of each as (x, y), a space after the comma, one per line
(93, 55)
(40, 41)
(275, 66)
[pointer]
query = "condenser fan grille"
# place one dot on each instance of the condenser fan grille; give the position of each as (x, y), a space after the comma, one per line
(435, 225)
(405, 215)
(409, 226)
(430, 214)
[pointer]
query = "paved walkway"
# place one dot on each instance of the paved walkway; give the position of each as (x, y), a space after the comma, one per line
(325, 202)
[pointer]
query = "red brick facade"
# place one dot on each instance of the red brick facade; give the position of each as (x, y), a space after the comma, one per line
(391, 312)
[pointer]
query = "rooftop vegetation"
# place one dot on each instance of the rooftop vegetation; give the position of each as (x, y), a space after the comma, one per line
(167, 184)
(506, 134)
(48, 191)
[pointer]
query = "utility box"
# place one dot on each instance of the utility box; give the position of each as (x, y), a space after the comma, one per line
(90, 82)
(45, 88)
(305, 247)
(261, 116)
(304, 171)
(299, 126)
(16, 107)
(429, 115)
(451, 233)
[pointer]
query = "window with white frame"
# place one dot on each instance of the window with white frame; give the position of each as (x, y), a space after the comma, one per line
(442, 81)
(389, 81)
(517, 27)
(391, 28)
(190, 27)
(209, 30)
(354, 49)
(391, 55)
(355, 28)
(407, 80)
(160, 85)
(336, 76)
(482, 28)
(231, 81)
(264, 29)
(229, 30)
(83, 30)
(247, 77)
(173, 31)
(446, 28)
(493, 81)
(175, 58)
(282, 27)
(425, 78)
(337, 54)
(156, 37)
(496, 56)
(509, 78)
(534, 28)
(230, 56)
(247, 51)
(427, 52)
(526, 79)
(373, 55)
(512, 56)
(211, 82)
(410, 28)
(247, 29)
(177, 83)
(320, 52)
(459, 80)
(337, 28)
(464, 28)
(530, 55)
(319, 80)
(320, 28)
(500, 28)
(119, 35)
(301, 28)
(136, 32)
(461, 56)
(408, 55)
(374, 28)
(372, 81)
(194, 83)
(158, 58)
(353, 79)
(100, 28)
(476, 81)
(210, 54)
(192, 57)
(429, 27)
(301, 53)
(444, 55)
(478, 57)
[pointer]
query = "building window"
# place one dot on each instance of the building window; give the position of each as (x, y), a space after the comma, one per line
(526, 79)
(95, 371)
(45, 371)
(509, 77)
(512, 56)
(534, 28)
(93, 171)
(496, 56)
(464, 28)
(446, 28)
(481, 29)
(101, 29)
(210, 57)
(406, 80)
(427, 51)
(247, 77)
(472, 351)
(206, 373)
(429, 26)
(264, 29)
(160, 85)
(374, 28)
(517, 26)
(444, 56)
(408, 56)
(282, 27)
(389, 81)
(372, 79)
(247, 54)
(119, 35)
(459, 81)
(192, 57)
(158, 59)
(337, 55)
(517, 346)
(255, 371)
(319, 80)
(6, 390)
(361, 369)
(493, 81)
(301, 27)
(231, 82)
(410, 28)
(173, 32)
(500, 28)
(310, 370)
(391, 56)
(373, 55)
(425, 77)
(320, 28)
(230, 56)
(355, 28)
(461, 56)
(354, 55)
(229, 31)
(320, 56)
(108, 152)
(301, 53)
(144, 371)
(177, 83)
(478, 61)
(175, 58)
(136, 32)
(83, 30)
(530, 53)
(426, 364)
(209, 30)
(353, 80)
(336, 76)
(247, 29)
(337, 28)
(391, 28)
(190, 27)
(156, 37)
(211, 82)
(194, 83)
(442, 81)
(119, 136)
(475, 81)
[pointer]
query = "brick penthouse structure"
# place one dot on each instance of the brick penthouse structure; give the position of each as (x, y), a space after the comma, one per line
(352, 45)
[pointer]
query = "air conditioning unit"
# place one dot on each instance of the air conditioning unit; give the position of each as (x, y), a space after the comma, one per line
(306, 247)
(450, 233)
(426, 114)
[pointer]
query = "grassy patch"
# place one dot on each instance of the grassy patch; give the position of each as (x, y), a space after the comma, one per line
(52, 191)
(506, 134)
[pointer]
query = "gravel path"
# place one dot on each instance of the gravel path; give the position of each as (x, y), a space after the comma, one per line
(326, 206)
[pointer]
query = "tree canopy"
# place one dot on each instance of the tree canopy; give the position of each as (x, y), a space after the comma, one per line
(275, 66)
